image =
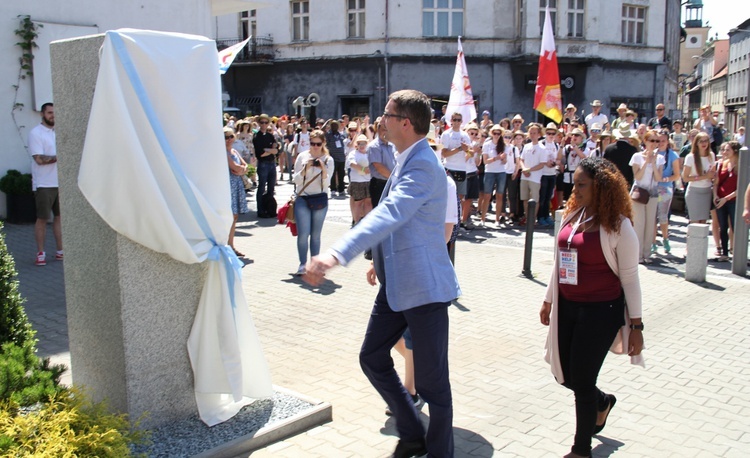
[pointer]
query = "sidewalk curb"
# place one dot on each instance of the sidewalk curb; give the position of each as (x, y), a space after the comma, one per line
(321, 412)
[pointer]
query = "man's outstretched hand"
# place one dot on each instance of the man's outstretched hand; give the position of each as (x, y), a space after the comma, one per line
(315, 270)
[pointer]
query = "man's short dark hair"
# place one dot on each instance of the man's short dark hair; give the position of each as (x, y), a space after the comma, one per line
(415, 106)
(48, 104)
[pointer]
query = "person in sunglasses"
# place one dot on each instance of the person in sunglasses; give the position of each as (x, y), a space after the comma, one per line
(266, 149)
(237, 169)
(313, 170)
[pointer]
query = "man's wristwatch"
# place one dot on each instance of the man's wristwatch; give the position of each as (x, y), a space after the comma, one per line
(639, 327)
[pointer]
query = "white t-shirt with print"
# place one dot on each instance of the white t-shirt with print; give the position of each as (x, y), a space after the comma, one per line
(451, 139)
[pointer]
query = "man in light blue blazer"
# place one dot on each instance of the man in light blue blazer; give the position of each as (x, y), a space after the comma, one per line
(417, 280)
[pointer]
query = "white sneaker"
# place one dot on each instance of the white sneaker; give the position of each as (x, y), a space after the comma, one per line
(301, 270)
(41, 259)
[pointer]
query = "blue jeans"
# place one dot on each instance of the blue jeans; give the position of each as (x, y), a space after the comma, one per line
(309, 226)
(546, 190)
(266, 183)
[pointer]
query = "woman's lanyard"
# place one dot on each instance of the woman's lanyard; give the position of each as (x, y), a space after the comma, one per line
(577, 224)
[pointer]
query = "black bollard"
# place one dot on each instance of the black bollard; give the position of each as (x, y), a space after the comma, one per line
(530, 218)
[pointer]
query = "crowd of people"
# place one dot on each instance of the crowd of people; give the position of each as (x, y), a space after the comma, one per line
(505, 165)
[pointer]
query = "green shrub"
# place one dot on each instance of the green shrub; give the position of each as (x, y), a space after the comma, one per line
(14, 325)
(67, 426)
(16, 183)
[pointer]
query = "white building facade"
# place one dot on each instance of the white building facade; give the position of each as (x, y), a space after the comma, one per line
(354, 52)
(66, 20)
(737, 76)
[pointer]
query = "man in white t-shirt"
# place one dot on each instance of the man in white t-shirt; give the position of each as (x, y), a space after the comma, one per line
(44, 182)
(301, 140)
(456, 146)
(533, 160)
(596, 117)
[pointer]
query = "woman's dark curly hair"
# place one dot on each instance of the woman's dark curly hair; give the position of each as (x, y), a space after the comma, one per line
(610, 194)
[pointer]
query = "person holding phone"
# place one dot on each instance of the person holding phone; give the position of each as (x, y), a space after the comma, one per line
(312, 175)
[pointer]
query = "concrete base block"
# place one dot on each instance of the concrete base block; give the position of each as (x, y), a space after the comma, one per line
(320, 413)
(697, 253)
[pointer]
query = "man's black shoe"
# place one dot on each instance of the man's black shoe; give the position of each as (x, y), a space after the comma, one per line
(410, 449)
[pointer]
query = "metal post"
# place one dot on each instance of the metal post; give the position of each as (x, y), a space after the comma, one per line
(739, 244)
(529, 239)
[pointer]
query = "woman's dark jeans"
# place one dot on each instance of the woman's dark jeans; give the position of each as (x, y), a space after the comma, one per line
(726, 220)
(586, 331)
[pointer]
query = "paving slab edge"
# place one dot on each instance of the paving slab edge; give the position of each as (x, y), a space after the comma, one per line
(321, 412)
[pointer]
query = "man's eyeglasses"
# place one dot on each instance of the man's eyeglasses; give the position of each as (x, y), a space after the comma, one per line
(316, 143)
(660, 109)
(387, 115)
(596, 131)
(496, 133)
(507, 138)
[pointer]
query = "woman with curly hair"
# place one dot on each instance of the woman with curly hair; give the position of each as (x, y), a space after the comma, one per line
(587, 318)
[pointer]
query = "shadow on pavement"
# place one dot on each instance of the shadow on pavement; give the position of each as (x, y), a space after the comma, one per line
(606, 448)
(326, 288)
(467, 443)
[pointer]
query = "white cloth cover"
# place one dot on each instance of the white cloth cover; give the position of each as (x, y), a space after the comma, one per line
(154, 168)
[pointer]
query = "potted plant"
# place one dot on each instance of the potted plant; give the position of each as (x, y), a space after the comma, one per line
(19, 197)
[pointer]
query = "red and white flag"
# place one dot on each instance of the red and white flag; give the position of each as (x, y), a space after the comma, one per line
(547, 96)
(226, 56)
(461, 99)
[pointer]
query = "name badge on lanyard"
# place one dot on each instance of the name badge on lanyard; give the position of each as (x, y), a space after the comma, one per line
(568, 262)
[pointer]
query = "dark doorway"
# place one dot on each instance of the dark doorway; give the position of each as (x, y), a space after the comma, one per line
(355, 106)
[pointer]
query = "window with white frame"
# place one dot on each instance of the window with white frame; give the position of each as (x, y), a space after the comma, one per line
(575, 18)
(356, 13)
(442, 18)
(552, 14)
(520, 18)
(633, 24)
(248, 24)
(301, 20)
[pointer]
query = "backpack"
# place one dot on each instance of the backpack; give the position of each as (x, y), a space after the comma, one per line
(269, 204)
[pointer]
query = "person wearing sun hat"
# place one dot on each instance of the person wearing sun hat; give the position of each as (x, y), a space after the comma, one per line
(516, 124)
(570, 113)
(549, 175)
(596, 116)
(358, 163)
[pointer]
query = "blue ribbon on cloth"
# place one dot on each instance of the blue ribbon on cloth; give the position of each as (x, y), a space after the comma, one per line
(218, 253)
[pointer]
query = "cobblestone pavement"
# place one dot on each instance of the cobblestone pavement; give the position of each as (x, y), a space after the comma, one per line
(687, 402)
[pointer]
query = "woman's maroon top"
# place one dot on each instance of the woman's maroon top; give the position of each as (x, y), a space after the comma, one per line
(596, 281)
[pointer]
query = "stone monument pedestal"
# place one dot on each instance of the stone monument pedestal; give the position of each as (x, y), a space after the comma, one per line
(130, 309)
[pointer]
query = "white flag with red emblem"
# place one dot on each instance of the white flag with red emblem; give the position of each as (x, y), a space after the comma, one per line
(461, 99)
(226, 56)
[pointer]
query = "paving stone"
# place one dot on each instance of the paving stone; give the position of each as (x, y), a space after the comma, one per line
(689, 401)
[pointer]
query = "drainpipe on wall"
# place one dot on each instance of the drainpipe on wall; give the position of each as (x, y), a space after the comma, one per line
(385, 58)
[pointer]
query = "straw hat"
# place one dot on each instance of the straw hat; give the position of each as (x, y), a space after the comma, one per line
(517, 118)
(596, 103)
(362, 138)
(551, 127)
